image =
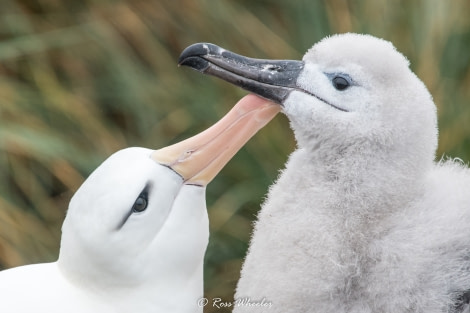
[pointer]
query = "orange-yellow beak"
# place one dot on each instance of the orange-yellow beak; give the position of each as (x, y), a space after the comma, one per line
(200, 158)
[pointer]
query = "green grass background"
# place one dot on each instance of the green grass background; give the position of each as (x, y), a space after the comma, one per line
(80, 80)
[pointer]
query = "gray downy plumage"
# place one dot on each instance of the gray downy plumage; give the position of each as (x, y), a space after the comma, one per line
(362, 219)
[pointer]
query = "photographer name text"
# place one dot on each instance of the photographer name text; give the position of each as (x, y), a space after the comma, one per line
(220, 303)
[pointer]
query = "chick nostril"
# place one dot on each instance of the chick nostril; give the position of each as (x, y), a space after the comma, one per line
(273, 68)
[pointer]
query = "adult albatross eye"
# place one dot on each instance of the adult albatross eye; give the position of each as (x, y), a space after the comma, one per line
(340, 83)
(140, 203)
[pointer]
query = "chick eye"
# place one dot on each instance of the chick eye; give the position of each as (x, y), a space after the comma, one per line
(340, 83)
(140, 203)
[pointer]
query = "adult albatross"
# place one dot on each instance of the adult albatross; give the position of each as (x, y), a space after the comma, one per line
(362, 219)
(136, 231)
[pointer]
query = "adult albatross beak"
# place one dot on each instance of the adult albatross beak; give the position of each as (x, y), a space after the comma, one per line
(270, 79)
(200, 158)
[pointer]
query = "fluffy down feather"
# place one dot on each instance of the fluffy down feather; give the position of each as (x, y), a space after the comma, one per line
(362, 219)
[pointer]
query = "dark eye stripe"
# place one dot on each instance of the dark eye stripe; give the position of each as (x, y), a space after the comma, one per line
(124, 220)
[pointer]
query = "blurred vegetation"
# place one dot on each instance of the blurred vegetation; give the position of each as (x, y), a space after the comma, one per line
(82, 79)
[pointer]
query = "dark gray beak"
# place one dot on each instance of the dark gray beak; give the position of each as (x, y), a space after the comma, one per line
(270, 79)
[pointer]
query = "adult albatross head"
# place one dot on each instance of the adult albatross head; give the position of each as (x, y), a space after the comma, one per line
(138, 226)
